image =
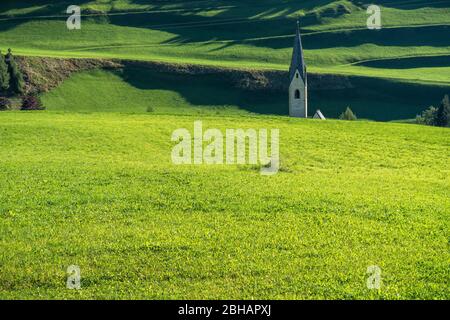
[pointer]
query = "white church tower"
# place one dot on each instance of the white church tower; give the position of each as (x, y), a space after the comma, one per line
(298, 88)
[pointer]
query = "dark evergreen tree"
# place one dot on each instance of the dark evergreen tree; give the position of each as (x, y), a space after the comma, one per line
(428, 117)
(443, 113)
(5, 103)
(348, 115)
(16, 82)
(446, 103)
(4, 74)
(31, 102)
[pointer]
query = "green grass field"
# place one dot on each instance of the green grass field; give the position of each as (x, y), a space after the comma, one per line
(90, 181)
(99, 191)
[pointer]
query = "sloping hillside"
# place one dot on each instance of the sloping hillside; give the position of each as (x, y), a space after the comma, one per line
(168, 90)
(90, 181)
(242, 34)
(100, 191)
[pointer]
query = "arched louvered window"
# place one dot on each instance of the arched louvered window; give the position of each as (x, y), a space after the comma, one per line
(297, 94)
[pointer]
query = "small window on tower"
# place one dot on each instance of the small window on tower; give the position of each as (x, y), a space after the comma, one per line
(296, 75)
(297, 94)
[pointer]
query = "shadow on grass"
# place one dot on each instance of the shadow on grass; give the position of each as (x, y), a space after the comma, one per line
(238, 21)
(369, 98)
(409, 63)
(207, 90)
(378, 99)
(199, 21)
(405, 5)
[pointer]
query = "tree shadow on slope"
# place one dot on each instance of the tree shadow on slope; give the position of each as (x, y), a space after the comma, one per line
(409, 63)
(273, 26)
(41, 5)
(226, 25)
(236, 21)
(206, 90)
(377, 99)
(434, 36)
(233, 24)
(370, 98)
(405, 5)
(43, 8)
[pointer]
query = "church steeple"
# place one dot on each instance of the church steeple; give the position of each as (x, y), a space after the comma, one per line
(298, 81)
(298, 62)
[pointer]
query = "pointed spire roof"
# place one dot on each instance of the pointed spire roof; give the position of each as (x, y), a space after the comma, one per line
(298, 62)
(319, 115)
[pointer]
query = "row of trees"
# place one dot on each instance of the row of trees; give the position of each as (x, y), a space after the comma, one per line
(11, 78)
(439, 117)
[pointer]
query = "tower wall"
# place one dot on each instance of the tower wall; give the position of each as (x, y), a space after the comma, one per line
(298, 107)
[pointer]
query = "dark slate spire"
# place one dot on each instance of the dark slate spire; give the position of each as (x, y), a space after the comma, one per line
(298, 62)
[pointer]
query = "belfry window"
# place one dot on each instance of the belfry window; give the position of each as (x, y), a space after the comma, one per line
(297, 94)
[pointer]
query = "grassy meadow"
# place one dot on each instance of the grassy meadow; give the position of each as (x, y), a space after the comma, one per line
(90, 181)
(100, 191)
